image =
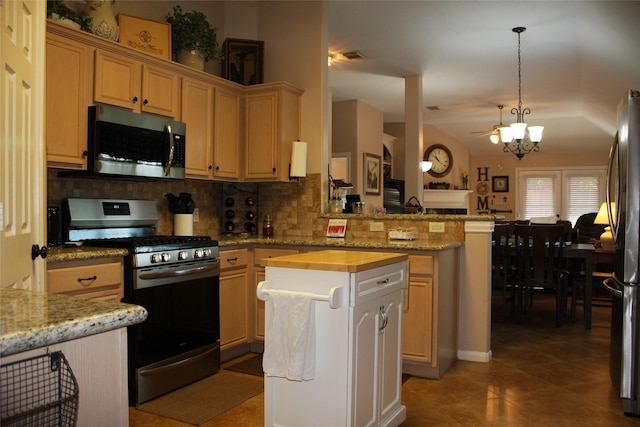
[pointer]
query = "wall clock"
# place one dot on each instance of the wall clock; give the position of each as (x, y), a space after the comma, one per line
(440, 158)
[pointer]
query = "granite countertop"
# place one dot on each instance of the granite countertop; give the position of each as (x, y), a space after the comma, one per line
(30, 319)
(79, 253)
(332, 242)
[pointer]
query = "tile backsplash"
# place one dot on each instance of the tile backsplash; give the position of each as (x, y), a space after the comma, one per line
(293, 206)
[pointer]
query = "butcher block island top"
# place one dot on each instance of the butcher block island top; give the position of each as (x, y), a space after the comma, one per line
(332, 260)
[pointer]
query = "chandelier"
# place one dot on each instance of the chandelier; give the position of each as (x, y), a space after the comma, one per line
(518, 138)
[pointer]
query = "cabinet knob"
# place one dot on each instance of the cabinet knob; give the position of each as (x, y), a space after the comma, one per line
(85, 153)
(135, 99)
(273, 169)
(37, 251)
(145, 102)
(210, 167)
(217, 168)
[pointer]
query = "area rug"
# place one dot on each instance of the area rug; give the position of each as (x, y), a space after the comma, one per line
(205, 399)
(251, 366)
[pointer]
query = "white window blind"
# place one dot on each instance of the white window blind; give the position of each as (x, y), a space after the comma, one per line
(539, 197)
(583, 196)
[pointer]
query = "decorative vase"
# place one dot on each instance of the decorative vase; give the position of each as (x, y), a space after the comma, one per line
(191, 58)
(103, 20)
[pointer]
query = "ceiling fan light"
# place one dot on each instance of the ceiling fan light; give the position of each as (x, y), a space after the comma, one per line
(506, 134)
(494, 138)
(426, 166)
(535, 133)
(518, 130)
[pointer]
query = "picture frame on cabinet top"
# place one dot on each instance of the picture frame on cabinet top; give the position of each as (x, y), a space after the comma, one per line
(372, 177)
(243, 61)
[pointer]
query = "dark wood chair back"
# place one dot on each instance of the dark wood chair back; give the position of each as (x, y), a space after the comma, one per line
(539, 253)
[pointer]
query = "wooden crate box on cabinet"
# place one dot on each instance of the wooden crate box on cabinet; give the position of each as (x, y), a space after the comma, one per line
(272, 124)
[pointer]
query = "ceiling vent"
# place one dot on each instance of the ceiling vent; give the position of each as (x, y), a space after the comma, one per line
(356, 54)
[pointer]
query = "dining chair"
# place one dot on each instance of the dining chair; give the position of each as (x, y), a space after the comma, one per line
(503, 268)
(540, 265)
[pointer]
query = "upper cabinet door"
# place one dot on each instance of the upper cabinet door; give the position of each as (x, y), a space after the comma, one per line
(227, 142)
(69, 80)
(125, 82)
(117, 80)
(197, 113)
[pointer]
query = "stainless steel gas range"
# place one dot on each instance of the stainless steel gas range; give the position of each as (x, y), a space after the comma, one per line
(176, 278)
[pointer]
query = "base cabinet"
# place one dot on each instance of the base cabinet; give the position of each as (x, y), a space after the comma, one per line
(430, 343)
(233, 301)
(358, 360)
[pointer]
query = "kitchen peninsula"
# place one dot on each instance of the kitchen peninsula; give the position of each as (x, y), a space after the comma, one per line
(92, 336)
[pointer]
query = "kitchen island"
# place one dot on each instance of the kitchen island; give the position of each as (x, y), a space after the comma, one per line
(91, 334)
(347, 368)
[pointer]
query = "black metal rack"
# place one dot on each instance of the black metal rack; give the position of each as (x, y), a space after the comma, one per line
(38, 391)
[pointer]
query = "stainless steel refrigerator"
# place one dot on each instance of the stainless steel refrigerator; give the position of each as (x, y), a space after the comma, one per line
(623, 199)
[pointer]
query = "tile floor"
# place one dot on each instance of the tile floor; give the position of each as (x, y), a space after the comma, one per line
(540, 375)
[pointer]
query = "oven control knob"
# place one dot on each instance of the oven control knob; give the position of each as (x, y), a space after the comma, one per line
(198, 253)
(166, 257)
(156, 258)
(182, 255)
(207, 252)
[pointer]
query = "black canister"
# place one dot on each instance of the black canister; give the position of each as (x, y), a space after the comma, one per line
(54, 226)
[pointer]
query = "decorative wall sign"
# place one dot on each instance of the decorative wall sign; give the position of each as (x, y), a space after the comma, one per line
(337, 228)
(500, 184)
(149, 36)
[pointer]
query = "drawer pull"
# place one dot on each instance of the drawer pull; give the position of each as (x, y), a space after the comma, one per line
(87, 279)
(232, 260)
(383, 282)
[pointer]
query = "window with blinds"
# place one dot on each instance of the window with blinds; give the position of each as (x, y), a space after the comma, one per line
(568, 193)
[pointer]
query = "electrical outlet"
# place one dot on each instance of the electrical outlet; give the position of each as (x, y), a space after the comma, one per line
(436, 227)
(196, 215)
(376, 226)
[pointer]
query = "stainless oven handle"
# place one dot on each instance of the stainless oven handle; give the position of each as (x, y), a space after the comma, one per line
(178, 273)
(160, 369)
(167, 127)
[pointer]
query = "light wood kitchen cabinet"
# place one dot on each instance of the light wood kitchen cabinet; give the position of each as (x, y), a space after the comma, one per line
(429, 344)
(126, 82)
(258, 276)
(69, 83)
(197, 113)
(227, 141)
(100, 279)
(234, 301)
(272, 114)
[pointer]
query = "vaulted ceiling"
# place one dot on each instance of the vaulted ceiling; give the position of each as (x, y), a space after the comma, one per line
(579, 58)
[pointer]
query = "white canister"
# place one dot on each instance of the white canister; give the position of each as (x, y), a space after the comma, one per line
(183, 225)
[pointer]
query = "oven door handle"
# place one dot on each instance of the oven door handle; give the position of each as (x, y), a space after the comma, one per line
(179, 273)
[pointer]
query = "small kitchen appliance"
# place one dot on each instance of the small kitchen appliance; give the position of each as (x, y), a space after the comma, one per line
(175, 278)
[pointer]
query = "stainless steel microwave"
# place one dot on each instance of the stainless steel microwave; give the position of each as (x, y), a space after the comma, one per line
(125, 143)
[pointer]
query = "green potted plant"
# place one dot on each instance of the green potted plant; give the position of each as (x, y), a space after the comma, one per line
(193, 39)
(61, 13)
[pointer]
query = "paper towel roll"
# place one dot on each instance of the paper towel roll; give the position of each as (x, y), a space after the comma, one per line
(298, 159)
(183, 225)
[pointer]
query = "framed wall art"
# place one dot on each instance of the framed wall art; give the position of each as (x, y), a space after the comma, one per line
(372, 176)
(500, 184)
(243, 61)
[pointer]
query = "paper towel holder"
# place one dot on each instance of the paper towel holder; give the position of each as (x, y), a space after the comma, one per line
(298, 164)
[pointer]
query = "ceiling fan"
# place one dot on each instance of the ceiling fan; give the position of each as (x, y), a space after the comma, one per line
(495, 131)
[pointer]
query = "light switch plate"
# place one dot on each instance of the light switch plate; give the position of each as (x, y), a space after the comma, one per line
(196, 215)
(376, 226)
(436, 227)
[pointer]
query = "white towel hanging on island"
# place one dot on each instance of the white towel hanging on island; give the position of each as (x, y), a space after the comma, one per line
(290, 335)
